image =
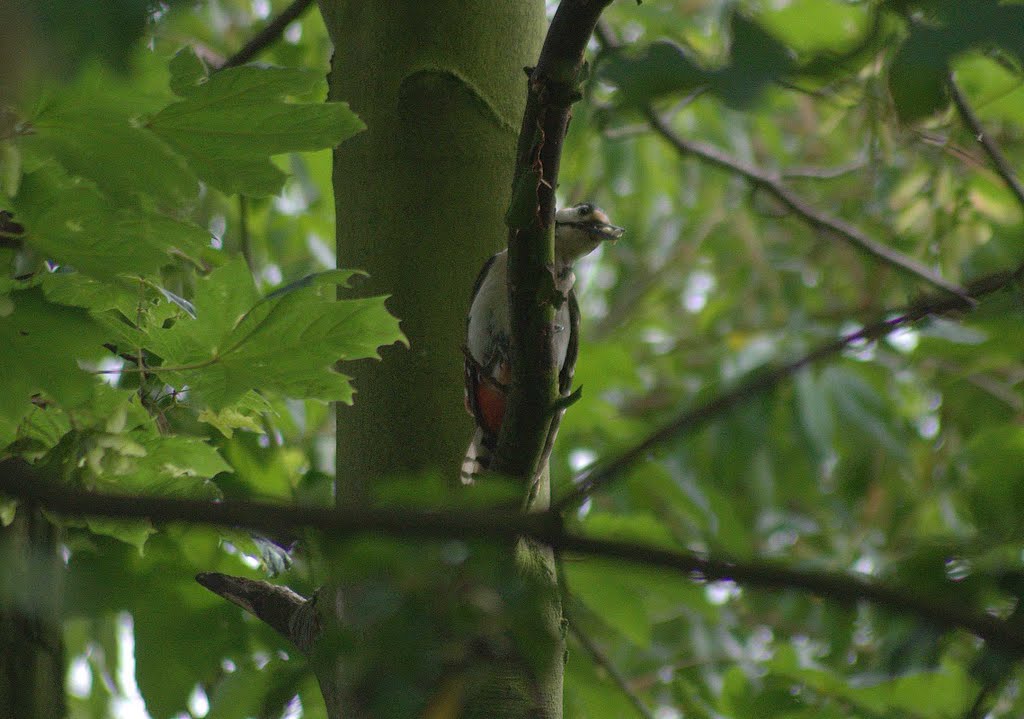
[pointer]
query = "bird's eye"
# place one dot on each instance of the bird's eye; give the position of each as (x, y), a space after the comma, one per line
(584, 210)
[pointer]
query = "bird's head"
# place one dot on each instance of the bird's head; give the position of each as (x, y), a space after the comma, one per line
(579, 230)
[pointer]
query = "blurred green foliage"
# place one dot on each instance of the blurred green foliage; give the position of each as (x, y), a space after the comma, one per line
(146, 311)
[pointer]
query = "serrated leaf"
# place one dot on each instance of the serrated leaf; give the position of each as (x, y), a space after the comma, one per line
(133, 533)
(288, 342)
(229, 126)
(95, 138)
(177, 464)
(76, 226)
(187, 71)
(246, 413)
(270, 472)
(658, 70)
(41, 342)
(756, 60)
(79, 290)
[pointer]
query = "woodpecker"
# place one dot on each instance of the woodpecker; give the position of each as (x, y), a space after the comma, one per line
(488, 349)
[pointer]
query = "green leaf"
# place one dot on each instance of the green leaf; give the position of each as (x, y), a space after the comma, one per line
(41, 342)
(132, 533)
(287, 342)
(172, 465)
(73, 32)
(267, 472)
(79, 290)
(75, 225)
(991, 467)
(246, 413)
(939, 693)
(612, 593)
(188, 71)
(917, 76)
(94, 136)
(229, 126)
(178, 643)
(814, 412)
(660, 69)
(756, 60)
(588, 690)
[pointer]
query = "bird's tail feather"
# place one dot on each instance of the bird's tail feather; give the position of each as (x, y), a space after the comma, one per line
(478, 457)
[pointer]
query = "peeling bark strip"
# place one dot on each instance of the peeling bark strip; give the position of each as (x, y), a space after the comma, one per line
(552, 88)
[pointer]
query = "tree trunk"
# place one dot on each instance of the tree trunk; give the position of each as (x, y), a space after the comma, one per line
(31, 634)
(420, 203)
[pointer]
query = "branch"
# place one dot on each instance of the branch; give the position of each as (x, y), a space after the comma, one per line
(765, 380)
(21, 481)
(271, 603)
(829, 225)
(268, 35)
(601, 659)
(970, 119)
(597, 656)
(841, 588)
(772, 184)
(553, 87)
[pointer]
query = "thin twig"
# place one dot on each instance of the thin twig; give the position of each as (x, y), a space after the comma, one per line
(601, 659)
(268, 35)
(35, 489)
(833, 226)
(977, 710)
(842, 588)
(772, 183)
(973, 123)
(601, 475)
(824, 173)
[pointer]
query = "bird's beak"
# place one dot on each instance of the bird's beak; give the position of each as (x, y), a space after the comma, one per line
(604, 231)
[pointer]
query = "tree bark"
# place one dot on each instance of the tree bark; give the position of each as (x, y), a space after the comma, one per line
(31, 630)
(421, 197)
(420, 201)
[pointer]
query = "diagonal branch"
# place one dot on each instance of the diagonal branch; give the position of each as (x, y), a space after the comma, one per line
(819, 220)
(601, 475)
(601, 659)
(552, 89)
(33, 488)
(772, 184)
(843, 588)
(971, 120)
(268, 35)
(273, 604)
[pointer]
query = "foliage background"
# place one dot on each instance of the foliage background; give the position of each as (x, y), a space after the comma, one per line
(899, 460)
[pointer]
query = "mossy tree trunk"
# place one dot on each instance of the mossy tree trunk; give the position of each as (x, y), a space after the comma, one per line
(420, 200)
(31, 629)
